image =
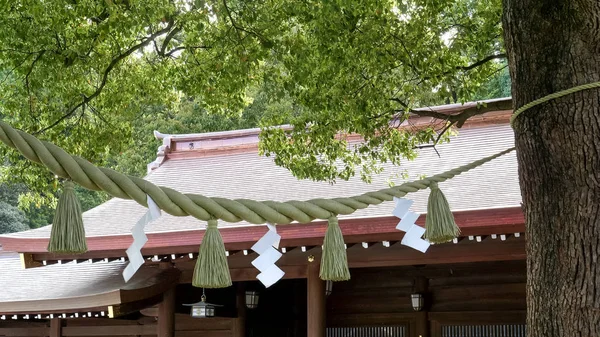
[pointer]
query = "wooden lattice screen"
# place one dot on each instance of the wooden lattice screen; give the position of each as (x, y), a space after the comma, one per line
(367, 331)
(498, 330)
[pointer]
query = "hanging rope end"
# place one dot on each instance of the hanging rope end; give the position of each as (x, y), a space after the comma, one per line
(212, 269)
(68, 232)
(334, 261)
(440, 226)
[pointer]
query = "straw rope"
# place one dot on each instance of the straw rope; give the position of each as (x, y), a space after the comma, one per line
(204, 208)
(551, 97)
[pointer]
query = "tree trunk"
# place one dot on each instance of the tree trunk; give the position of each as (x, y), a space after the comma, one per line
(554, 45)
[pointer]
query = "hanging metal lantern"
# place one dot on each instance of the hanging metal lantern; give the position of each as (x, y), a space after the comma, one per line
(417, 301)
(202, 309)
(251, 299)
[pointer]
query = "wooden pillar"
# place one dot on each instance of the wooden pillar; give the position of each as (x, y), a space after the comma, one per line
(239, 325)
(422, 325)
(316, 302)
(166, 314)
(422, 320)
(56, 327)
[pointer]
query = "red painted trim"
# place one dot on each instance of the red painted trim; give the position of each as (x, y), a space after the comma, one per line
(480, 222)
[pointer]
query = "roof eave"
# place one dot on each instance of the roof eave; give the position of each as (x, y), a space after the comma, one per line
(135, 291)
(471, 222)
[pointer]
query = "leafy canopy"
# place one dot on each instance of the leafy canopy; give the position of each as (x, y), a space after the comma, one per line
(11, 219)
(85, 74)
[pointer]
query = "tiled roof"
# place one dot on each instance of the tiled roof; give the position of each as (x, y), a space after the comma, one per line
(66, 286)
(67, 280)
(247, 175)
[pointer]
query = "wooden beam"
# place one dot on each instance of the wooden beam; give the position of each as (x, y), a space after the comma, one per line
(97, 321)
(470, 251)
(421, 320)
(19, 332)
(315, 302)
(27, 261)
(368, 319)
(166, 314)
(130, 307)
(481, 317)
(293, 263)
(211, 333)
(239, 324)
(56, 327)
(115, 330)
(246, 274)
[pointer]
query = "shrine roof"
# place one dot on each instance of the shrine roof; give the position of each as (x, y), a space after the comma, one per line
(227, 164)
(72, 288)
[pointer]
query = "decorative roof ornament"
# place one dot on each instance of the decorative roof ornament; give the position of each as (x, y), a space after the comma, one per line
(161, 153)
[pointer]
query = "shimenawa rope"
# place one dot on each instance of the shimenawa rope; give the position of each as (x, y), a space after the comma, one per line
(551, 97)
(204, 208)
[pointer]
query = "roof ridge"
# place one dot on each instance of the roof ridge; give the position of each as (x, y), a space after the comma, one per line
(446, 108)
(233, 141)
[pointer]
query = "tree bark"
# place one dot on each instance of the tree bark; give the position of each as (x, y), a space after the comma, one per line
(554, 45)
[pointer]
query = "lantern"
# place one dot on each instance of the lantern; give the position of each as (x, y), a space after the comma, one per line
(251, 299)
(202, 309)
(417, 301)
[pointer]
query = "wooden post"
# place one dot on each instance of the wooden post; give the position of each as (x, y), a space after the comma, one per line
(239, 325)
(316, 302)
(166, 314)
(55, 327)
(422, 321)
(422, 324)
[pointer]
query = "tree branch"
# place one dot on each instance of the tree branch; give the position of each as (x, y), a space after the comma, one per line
(482, 61)
(37, 58)
(168, 39)
(238, 28)
(474, 65)
(12, 70)
(109, 68)
(174, 50)
(437, 139)
(460, 118)
(6, 50)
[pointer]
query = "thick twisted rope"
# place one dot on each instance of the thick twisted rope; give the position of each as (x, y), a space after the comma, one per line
(204, 208)
(551, 97)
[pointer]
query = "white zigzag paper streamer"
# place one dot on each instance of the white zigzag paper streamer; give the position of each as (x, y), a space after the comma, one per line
(413, 235)
(134, 252)
(267, 256)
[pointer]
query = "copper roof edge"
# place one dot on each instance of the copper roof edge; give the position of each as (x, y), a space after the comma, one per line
(445, 109)
(458, 107)
(194, 145)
